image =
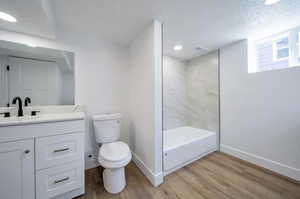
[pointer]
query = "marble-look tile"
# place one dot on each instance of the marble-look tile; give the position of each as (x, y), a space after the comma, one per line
(202, 92)
(174, 93)
(191, 93)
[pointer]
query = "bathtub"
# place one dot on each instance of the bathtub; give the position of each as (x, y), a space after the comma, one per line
(184, 145)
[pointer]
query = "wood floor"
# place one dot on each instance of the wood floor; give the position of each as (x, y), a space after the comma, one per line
(215, 176)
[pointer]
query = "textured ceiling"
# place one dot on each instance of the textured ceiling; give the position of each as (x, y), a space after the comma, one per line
(34, 17)
(211, 24)
(208, 24)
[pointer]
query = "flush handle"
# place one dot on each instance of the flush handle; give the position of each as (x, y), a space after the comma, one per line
(60, 150)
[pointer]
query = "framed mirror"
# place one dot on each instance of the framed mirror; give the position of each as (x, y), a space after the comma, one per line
(44, 75)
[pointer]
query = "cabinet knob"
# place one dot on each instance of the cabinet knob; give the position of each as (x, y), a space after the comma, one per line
(27, 151)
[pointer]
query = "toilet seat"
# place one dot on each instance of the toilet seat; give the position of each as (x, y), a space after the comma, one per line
(114, 155)
(114, 152)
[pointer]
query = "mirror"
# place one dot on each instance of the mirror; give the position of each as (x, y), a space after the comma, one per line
(44, 75)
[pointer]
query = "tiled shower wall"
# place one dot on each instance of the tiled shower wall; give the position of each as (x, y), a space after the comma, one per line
(191, 95)
(174, 93)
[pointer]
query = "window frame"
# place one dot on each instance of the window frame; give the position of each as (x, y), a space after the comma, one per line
(293, 59)
(298, 44)
(275, 41)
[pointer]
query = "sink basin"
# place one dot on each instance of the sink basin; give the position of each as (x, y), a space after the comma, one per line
(27, 119)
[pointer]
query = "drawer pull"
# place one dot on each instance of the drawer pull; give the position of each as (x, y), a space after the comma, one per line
(60, 150)
(61, 180)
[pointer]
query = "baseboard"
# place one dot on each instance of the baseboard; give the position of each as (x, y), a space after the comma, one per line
(155, 179)
(91, 163)
(277, 167)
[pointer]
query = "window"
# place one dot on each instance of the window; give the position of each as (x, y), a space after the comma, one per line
(298, 47)
(281, 50)
(275, 52)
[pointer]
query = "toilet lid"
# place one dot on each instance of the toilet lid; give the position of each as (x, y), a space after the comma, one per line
(115, 151)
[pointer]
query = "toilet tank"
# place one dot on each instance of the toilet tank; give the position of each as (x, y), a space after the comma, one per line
(107, 127)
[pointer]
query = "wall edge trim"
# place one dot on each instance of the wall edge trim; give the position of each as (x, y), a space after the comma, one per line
(155, 179)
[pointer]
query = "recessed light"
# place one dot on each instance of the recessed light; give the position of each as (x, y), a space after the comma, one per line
(29, 44)
(178, 47)
(199, 48)
(6, 17)
(271, 2)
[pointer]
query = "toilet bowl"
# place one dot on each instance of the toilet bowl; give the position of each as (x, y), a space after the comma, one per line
(114, 157)
(113, 154)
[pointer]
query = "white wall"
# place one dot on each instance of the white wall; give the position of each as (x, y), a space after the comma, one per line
(100, 68)
(101, 82)
(145, 110)
(102, 77)
(260, 113)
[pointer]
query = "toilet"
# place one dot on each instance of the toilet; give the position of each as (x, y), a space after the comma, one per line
(113, 154)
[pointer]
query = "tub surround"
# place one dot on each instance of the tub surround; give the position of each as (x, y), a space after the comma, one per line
(202, 92)
(174, 92)
(191, 94)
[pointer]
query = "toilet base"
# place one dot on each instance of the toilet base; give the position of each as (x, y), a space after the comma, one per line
(114, 180)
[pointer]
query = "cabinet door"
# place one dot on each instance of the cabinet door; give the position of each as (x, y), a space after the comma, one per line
(17, 170)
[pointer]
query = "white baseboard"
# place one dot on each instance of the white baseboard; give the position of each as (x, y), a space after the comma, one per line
(155, 179)
(277, 167)
(91, 163)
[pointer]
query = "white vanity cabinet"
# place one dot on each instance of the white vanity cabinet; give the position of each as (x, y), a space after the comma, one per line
(17, 170)
(42, 160)
(59, 164)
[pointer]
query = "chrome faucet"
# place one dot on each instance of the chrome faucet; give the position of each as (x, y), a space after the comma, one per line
(20, 109)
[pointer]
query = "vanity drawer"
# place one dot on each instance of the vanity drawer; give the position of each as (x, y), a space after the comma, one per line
(57, 150)
(59, 180)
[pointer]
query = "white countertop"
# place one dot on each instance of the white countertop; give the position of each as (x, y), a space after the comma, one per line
(42, 118)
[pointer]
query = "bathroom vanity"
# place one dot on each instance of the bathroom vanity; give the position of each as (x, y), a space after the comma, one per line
(42, 157)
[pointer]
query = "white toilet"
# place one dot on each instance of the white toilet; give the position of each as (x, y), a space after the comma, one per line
(113, 155)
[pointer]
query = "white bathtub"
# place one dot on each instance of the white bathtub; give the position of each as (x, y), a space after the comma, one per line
(186, 144)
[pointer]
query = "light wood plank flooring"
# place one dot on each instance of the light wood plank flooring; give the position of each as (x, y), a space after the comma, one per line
(215, 176)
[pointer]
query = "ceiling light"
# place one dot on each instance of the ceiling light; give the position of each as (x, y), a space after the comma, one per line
(270, 2)
(199, 48)
(6, 17)
(29, 44)
(177, 47)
